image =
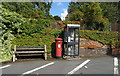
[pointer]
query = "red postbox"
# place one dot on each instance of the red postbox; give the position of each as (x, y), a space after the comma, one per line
(58, 47)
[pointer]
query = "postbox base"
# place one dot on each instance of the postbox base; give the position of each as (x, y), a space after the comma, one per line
(58, 57)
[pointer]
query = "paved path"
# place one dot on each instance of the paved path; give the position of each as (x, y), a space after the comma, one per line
(99, 65)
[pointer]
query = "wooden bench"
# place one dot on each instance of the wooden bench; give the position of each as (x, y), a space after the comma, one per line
(29, 51)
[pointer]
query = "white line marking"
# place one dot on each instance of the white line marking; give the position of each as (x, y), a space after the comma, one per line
(116, 71)
(78, 67)
(115, 61)
(5, 66)
(38, 68)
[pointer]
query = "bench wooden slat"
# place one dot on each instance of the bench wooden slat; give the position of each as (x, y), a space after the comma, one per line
(29, 52)
(29, 48)
(28, 55)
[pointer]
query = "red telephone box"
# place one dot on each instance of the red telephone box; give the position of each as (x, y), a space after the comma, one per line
(58, 47)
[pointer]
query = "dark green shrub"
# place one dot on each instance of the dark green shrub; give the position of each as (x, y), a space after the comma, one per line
(35, 25)
(35, 40)
(45, 37)
(9, 26)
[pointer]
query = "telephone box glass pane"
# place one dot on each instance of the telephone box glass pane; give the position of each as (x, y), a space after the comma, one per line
(71, 40)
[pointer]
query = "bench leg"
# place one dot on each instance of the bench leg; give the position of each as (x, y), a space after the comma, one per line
(14, 58)
(45, 56)
(45, 52)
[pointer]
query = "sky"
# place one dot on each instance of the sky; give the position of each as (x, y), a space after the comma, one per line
(59, 9)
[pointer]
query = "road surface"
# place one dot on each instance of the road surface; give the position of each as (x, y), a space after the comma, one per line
(98, 65)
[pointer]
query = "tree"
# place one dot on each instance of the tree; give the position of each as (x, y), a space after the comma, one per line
(90, 14)
(18, 6)
(57, 18)
(10, 22)
(110, 11)
(29, 10)
(44, 6)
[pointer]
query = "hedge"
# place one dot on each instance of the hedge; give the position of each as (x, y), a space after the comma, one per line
(104, 37)
(35, 41)
(46, 37)
(38, 39)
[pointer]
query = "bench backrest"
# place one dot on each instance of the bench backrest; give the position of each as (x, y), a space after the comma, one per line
(30, 48)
